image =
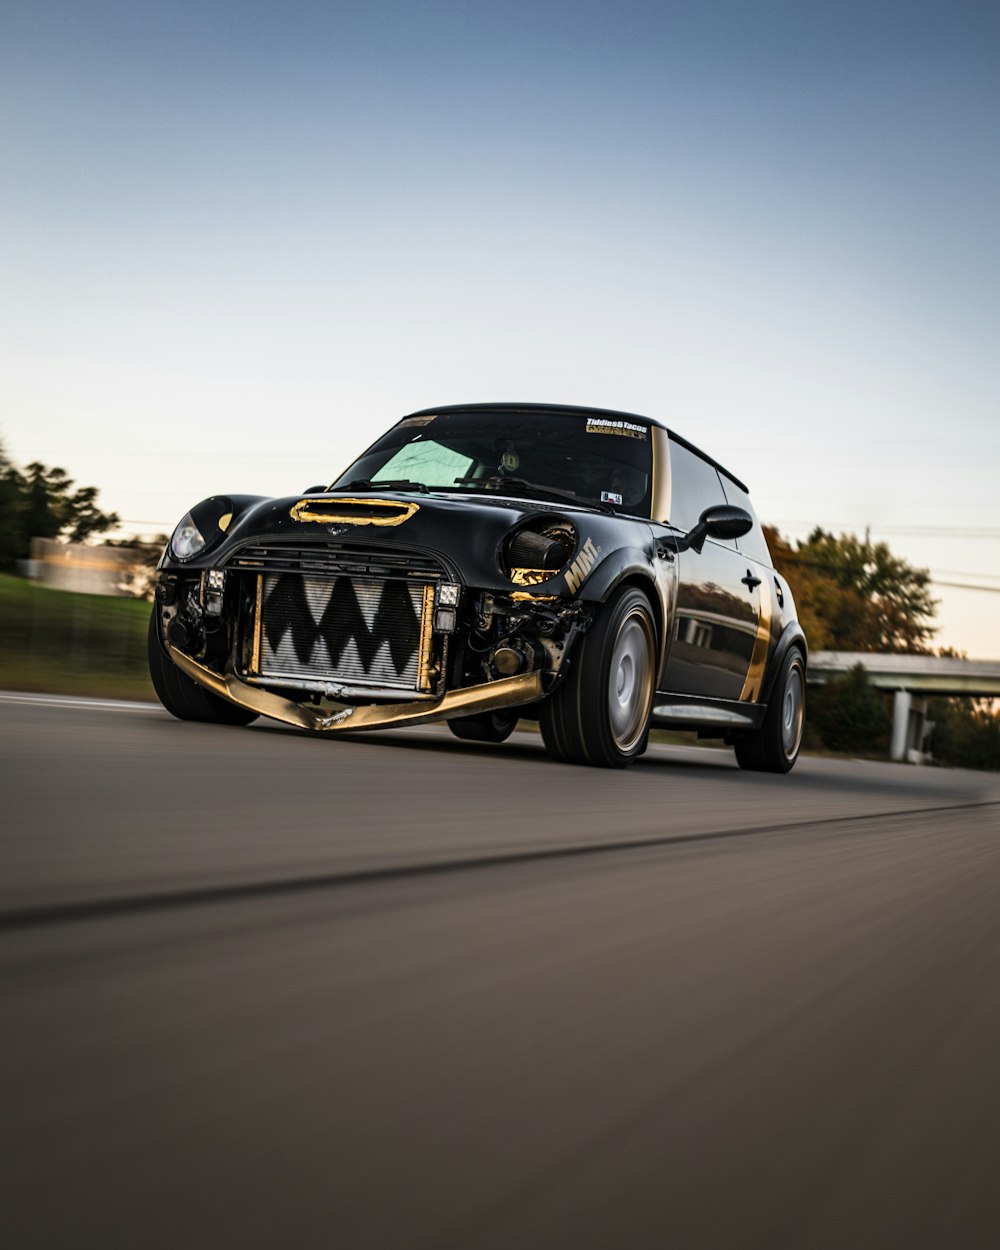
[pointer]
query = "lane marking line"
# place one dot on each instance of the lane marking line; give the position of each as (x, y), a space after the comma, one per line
(68, 700)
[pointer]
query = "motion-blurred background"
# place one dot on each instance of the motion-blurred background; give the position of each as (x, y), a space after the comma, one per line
(238, 241)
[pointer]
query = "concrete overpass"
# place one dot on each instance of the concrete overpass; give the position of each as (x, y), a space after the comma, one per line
(909, 676)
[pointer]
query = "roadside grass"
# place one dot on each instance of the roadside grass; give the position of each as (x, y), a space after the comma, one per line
(59, 642)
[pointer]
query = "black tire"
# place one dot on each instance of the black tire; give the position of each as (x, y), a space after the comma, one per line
(183, 697)
(774, 747)
(484, 727)
(599, 714)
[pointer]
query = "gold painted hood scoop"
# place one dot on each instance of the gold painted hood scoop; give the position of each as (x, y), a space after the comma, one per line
(353, 511)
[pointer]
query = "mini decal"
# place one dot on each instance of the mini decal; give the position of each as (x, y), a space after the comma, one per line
(580, 569)
(608, 425)
(610, 496)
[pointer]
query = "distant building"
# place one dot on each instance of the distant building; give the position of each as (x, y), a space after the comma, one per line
(89, 570)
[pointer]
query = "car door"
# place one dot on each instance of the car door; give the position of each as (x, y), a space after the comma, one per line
(718, 594)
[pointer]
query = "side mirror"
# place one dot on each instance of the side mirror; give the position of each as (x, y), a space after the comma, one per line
(722, 521)
(314, 490)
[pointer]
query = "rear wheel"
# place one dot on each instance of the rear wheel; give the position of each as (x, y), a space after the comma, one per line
(484, 727)
(183, 697)
(774, 747)
(599, 714)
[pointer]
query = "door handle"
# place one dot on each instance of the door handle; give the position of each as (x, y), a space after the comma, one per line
(750, 581)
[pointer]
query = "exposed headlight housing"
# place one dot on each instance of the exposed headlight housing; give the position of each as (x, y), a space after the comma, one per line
(187, 540)
(203, 526)
(537, 550)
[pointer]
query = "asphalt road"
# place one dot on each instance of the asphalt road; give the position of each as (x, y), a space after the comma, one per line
(262, 989)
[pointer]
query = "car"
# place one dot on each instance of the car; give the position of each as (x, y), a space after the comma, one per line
(483, 563)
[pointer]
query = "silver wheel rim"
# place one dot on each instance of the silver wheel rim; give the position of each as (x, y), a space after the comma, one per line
(630, 680)
(792, 709)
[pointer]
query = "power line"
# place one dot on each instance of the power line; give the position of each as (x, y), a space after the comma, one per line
(922, 531)
(993, 590)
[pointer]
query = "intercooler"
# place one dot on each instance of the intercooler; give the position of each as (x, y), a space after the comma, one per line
(357, 632)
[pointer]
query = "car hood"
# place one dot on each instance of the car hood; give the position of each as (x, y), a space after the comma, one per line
(463, 531)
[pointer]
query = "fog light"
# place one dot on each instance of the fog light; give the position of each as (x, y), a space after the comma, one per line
(447, 596)
(444, 620)
(183, 635)
(215, 581)
(507, 661)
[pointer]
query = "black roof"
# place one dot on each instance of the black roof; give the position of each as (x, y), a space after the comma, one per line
(576, 410)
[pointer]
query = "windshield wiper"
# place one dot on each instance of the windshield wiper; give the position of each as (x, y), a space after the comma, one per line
(522, 483)
(364, 483)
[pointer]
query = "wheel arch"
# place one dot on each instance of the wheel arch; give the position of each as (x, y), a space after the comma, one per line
(627, 568)
(792, 636)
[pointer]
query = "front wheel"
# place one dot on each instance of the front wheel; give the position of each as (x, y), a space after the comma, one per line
(183, 697)
(599, 714)
(774, 747)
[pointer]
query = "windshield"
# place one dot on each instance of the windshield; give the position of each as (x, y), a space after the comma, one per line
(592, 459)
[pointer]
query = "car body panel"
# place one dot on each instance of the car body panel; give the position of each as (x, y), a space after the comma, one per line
(320, 574)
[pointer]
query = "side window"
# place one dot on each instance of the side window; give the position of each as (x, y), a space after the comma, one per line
(694, 486)
(752, 544)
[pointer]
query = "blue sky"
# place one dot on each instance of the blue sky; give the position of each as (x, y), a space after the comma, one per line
(238, 240)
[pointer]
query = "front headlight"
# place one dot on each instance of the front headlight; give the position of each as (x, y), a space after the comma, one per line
(187, 539)
(203, 526)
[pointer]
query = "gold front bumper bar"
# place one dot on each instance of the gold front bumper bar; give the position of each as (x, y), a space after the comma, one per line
(330, 717)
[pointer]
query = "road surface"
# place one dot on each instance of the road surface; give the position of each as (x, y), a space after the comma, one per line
(263, 989)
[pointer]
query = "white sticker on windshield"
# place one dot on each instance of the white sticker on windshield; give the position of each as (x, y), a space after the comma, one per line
(609, 425)
(609, 496)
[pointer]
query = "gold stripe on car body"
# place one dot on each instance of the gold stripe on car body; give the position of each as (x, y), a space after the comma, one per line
(257, 626)
(426, 623)
(761, 645)
(660, 500)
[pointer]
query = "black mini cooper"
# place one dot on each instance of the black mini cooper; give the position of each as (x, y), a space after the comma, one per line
(485, 562)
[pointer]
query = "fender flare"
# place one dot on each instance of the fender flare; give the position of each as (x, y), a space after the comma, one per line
(791, 636)
(632, 565)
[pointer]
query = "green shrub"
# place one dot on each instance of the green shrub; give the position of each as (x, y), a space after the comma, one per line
(849, 714)
(966, 733)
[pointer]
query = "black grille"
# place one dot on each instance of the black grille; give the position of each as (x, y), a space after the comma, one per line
(331, 559)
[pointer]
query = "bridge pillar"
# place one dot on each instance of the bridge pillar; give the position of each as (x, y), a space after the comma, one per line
(909, 727)
(900, 724)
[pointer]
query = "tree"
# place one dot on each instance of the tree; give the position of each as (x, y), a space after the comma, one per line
(138, 580)
(53, 509)
(855, 595)
(11, 510)
(966, 733)
(44, 502)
